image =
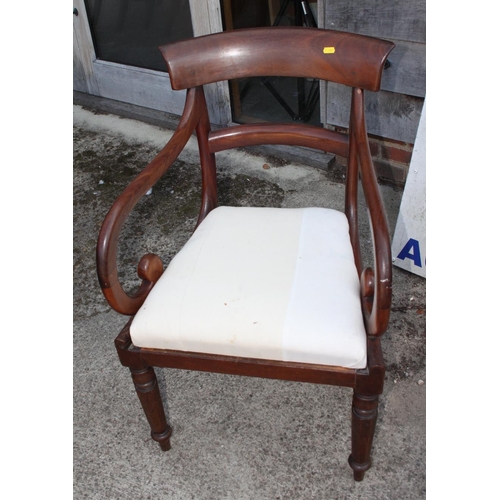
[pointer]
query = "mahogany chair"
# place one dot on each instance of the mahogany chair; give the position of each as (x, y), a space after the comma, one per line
(263, 292)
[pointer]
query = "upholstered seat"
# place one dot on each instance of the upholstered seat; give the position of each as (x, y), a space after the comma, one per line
(295, 298)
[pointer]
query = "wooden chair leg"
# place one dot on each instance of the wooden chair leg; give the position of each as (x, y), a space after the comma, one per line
(146, 386)
(364, 418)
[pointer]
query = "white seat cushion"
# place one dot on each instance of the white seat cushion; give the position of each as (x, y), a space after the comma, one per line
(267, 283)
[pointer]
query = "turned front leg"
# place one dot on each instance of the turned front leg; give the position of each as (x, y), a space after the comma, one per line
(147, 389)
(364, 418)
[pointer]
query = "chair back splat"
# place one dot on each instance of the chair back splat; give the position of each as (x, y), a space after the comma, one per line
(302, 305)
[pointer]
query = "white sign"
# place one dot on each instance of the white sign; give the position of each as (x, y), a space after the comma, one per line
(408, 244)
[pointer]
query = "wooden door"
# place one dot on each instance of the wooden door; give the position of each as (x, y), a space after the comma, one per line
(116, 57)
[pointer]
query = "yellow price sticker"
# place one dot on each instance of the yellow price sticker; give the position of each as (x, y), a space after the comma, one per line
(329, 50)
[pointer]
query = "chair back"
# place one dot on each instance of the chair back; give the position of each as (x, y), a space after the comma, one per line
(346, 58)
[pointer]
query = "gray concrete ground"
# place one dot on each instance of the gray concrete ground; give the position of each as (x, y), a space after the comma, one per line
(234, 438)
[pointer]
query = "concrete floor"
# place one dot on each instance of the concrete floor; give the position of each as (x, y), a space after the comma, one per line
(234, 438)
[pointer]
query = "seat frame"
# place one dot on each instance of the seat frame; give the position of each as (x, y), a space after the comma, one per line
(264, 52)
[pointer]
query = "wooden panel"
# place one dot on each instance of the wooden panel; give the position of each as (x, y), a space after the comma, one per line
(395, 111)
(394, 19)
(387, 114)
(406, 75)
(143, 87)
(83, 52)
(80, 80)
(402, 22)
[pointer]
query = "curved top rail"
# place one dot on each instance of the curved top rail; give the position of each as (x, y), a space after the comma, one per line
(346, 58)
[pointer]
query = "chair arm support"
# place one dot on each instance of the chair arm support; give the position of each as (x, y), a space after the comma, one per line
(150, 267)
(376, 284)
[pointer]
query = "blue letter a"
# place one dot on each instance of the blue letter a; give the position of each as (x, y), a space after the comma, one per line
(413, 247)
